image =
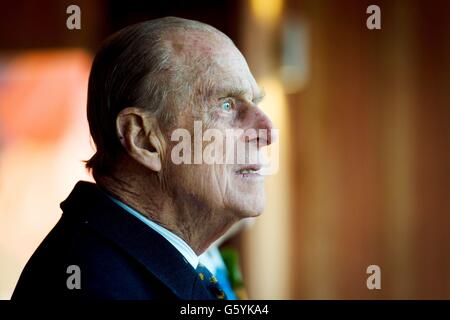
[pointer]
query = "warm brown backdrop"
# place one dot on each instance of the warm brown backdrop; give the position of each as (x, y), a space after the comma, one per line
(369, 175)
(364, 120)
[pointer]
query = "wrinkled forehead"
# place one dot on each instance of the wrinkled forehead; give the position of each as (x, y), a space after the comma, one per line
(228, 75)
(214, 61)
(191, 43)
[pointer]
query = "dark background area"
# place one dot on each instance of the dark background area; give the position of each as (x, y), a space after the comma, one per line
(42, 24)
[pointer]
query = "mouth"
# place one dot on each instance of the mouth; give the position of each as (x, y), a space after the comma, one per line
(250, 171)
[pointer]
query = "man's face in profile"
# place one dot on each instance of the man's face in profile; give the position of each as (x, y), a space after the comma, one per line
(225, 98)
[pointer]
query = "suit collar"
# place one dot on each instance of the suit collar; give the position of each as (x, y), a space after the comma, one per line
(176, 241)
(98, 212)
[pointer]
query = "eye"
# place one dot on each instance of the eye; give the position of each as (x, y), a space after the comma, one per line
(226, 105)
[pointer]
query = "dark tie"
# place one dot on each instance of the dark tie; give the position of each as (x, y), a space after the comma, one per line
(210, 282)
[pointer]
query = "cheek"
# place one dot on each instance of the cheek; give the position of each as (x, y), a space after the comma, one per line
(222, 120)
(214, 183)
(206, 182)
(217, 179)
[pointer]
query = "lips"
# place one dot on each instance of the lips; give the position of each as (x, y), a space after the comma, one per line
(249, 170)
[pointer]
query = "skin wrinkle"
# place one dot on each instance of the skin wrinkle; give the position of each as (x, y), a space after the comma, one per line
(196, 202)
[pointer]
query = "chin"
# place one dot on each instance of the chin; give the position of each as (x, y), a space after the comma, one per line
(249, 214)
(249, 209)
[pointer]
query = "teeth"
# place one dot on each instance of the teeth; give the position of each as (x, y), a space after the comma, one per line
(248, 171)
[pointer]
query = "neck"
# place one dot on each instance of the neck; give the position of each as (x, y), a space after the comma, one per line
(197, 225)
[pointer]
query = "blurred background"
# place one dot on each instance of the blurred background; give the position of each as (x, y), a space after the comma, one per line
(364, 119)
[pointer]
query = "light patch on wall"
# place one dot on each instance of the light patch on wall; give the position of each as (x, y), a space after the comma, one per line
(295, 54)
(44, 138)
(267, 11)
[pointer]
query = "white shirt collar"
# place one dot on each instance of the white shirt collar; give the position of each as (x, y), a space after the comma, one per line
(176, 241)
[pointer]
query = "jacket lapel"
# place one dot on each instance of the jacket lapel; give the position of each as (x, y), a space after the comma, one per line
(89, 203)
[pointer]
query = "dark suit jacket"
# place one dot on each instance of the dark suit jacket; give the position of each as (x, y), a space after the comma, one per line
(118, 255)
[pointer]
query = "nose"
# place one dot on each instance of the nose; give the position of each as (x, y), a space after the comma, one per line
(264, 133)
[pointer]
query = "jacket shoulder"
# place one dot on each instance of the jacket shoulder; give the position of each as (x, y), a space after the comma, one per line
(75, 262)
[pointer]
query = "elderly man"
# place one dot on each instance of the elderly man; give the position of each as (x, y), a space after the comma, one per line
(137, 233)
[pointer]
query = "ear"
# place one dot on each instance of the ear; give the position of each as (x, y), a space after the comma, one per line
(141, 137)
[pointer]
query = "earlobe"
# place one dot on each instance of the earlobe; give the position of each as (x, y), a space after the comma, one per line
(140, 136)
(154, 156)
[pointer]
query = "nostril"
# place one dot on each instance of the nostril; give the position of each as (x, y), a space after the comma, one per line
(261, 127)
(267, 123)
(269, 138)
(264, 137)
(265, 132)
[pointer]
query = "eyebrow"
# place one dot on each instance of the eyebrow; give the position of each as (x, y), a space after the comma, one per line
(259, 96)
(240, 92)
